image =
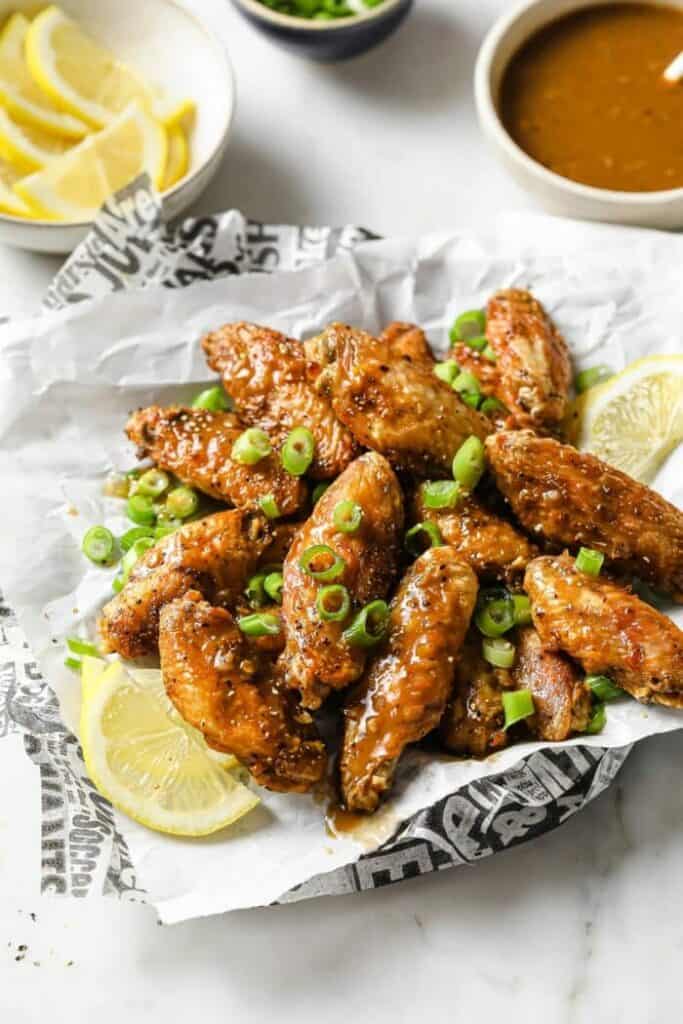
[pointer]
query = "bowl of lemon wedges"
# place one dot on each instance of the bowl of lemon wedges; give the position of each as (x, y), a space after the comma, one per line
(94, 94)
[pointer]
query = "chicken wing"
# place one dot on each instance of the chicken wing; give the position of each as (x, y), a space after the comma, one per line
(607, 630)
(398, 407)
(233, 698)
(267, 376)
(473, 723)
(489, 544)
(317, 658)
(215, 556)
(196, 445)
(573, 498)
(404, 692)
(407, 341)
(561, 698)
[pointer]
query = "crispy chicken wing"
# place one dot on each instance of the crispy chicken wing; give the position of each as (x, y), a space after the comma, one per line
(489, 544)
(317, 658)
(214, 555)
(407, 341)
(232, 696)
(474, 721)
(607, 630)
(267, 375)
(404, 691)
(572, 498)
(398, 407)
(561, 698)
(196, 445)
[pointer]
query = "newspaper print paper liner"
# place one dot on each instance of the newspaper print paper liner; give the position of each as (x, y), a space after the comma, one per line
(523, 792)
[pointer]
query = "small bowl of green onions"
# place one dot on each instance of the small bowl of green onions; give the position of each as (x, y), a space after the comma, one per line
(325, 30)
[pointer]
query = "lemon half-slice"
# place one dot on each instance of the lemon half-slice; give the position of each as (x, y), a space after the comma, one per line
(74, 186)
(86, 79)
(9, 200)
(634, 420)
(148, 762)
(27, 147)
(178, 157)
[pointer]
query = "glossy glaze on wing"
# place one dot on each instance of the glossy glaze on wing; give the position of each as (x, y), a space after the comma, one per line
(561, 698)
(407, 341)
(473, 723)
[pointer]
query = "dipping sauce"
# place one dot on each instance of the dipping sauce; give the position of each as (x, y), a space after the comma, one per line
(585, 97)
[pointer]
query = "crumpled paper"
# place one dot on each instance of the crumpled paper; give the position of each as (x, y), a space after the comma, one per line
(111, 340)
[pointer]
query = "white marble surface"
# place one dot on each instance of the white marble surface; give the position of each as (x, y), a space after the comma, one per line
(583, 925)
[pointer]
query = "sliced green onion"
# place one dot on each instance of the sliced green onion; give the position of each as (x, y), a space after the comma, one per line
(127, 540)
(333, 603)
(347, 516)
(297, 451)
(589, 378)
(260, 624)
(153, 483)
(78, 646)
(467, 386)
(603, 688)
(422, 536)
(498, 652)
(251, 446)
(447, 371)
(598, 718)
(318, 491)
(522, 609)
(469, 463)
(117, 485)
(139, 509)
(478, 342)
(589, 561)
(330, 565)
(441, 494)
(117, 584)
(491, 407)
(255, 590)
(490, 354)
(73, 663)
(369, 625)
(213, 399)
(181, 503)
(470, 324)
(269, 506)
(495, 613)
(517, 705)
(166, 528)
(272, 585)
(136, 551)
(98, 544)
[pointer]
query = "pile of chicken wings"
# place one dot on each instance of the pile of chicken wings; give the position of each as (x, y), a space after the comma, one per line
(385, 425)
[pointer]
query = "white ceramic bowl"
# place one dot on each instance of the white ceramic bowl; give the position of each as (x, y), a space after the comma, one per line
(173, 48)
(557, 194)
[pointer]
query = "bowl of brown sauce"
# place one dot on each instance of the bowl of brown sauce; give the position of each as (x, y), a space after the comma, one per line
(572, 95)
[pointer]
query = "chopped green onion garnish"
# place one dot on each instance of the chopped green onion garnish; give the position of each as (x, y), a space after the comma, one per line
(251, 446)
(73, 663)
(467, 384)
(98, 544)
(470, 324)
(255, 590)
(597, 720)
(333, 603)
(273, 586)
(491, 407)
(422, 536)
(441, 494)
(603, 688)
(347, 516)
(479, 342)
(498, 652)
(322, 563)
(517, 705)
(469, 463)
(260, 624)
(153, 483)
(589, 561)
(78, 646)
(139, 509)
(369, 626)
(495, 613)
(127, 540)
(318, 491)
(117, 584)
(522, 609)
(136, 551)
(589, 378)
(297, 451)
(269, 506)
(447, 371)
(181, 503)
(213, 399)
(490, 354)
(117, 485)
(166, 528)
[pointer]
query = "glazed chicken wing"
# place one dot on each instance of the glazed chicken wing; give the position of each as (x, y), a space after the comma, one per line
(222, 689)
(407, 341)
(269, 379)
(215, 556)
(196, 445)
(561, 698)
(573, 498)
(473, 723)
(317, 657)
(404, 692)
(489, 544)
(607, 630)
(398, 407)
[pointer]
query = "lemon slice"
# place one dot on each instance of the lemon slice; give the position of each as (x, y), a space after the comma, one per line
(634, 420)
(178, 158)
(20, 95)
(74, 186)
(148, 762)
(84, 78)
(9, 201)
(27, 147)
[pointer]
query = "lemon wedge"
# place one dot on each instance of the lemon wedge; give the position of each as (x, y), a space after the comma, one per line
(9, 201)
(178, 157)
(84, 78)
(634, 420)
(26, 147)
(74, 186)
(148, 762)
(20, 95)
